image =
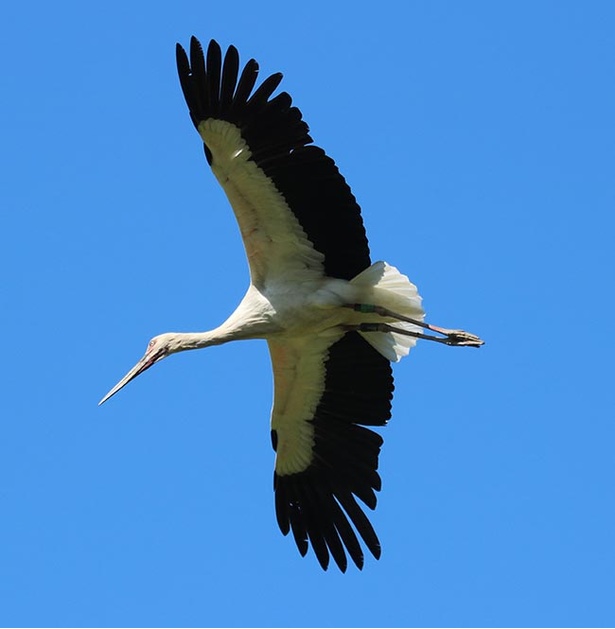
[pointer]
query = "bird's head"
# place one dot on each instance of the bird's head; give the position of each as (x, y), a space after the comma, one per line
(158, 348)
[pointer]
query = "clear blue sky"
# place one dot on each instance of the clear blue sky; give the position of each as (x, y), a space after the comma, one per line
(479, 138)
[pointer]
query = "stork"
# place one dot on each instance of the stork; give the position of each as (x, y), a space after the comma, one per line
(333, 321)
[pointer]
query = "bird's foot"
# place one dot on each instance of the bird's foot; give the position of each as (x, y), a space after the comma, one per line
(458, 338)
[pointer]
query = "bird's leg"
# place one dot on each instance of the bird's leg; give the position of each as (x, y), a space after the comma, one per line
(386, 327)
(459, 338)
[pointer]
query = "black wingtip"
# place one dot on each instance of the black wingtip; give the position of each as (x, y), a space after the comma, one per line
(183, 65)
(195, 45)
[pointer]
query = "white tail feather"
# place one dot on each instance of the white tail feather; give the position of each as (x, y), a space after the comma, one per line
(389, 288)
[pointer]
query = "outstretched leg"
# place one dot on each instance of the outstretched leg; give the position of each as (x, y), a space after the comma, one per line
(459, 338)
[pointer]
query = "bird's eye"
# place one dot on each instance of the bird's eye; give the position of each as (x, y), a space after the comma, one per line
(151, 344)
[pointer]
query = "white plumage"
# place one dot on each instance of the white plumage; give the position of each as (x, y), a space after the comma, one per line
(332, 319)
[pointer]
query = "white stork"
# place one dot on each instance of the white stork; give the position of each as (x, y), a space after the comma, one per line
(332, 319)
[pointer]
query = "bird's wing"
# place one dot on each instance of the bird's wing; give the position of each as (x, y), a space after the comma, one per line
(326, 391)
(294, 209)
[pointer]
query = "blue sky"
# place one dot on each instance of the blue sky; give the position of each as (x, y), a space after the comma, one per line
(479, 139)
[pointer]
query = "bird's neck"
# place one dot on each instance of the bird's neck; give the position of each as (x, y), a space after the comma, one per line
(198, 340)
(252, 319)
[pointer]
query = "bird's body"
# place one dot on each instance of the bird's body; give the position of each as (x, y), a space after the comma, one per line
(332, 319)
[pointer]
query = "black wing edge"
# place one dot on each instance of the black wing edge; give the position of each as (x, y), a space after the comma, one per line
(319, 505)
(278, 139)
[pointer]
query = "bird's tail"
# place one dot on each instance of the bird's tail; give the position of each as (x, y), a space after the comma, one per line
(385, 286)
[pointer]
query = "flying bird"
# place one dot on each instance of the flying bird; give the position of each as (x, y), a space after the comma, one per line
(333, 321)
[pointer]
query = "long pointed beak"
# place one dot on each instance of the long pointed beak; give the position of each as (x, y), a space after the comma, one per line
(145, 363)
